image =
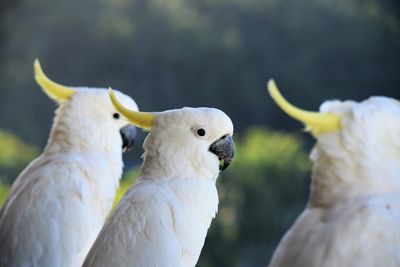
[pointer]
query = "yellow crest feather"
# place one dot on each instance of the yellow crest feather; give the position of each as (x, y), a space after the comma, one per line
(58, 92)
(143, 120)
(317, 123)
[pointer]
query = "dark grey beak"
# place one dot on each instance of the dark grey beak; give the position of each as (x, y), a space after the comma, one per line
(224, 148)
(128, 134)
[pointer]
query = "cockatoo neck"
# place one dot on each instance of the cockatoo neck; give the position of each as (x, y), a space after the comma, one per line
(169, 166)
(72, 133)
(162, 162)
(350, 169)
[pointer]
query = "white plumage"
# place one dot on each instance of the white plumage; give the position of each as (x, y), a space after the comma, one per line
(353, 214)
(58, 204)
(163, 218)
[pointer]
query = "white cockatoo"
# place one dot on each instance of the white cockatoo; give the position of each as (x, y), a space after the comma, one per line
(58, 204)
(163, 219)
(353, 214)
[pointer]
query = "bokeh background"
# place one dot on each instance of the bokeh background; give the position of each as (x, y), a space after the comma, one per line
(218, 53)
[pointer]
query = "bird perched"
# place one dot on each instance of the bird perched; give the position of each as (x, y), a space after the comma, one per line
(353, 214)
(58, 204)
(163, 219)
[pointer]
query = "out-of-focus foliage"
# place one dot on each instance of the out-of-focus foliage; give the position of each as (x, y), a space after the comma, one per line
(260, 196)
(15, 154)
(127, 181)
(4, 188)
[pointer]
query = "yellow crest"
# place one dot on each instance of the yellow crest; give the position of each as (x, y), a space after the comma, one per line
(317, 123)
(54, 90)
(143, 120)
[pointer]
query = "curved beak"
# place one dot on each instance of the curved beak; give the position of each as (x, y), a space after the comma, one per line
(128, 135)
(224, 148)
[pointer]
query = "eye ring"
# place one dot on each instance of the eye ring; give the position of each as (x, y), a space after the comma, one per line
(116, 116)
(201, 132)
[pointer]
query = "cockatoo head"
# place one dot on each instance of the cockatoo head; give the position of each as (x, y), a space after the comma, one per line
(358, 146)
(196, 140)
(85, 119)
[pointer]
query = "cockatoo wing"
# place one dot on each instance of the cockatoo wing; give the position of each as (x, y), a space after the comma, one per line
(46, 205)
(359, 233)
(141, 232)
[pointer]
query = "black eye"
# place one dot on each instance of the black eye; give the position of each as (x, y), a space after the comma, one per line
(116, 116)
(201, 132)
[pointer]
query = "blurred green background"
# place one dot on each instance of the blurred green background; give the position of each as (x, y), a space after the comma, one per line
(219, 53)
